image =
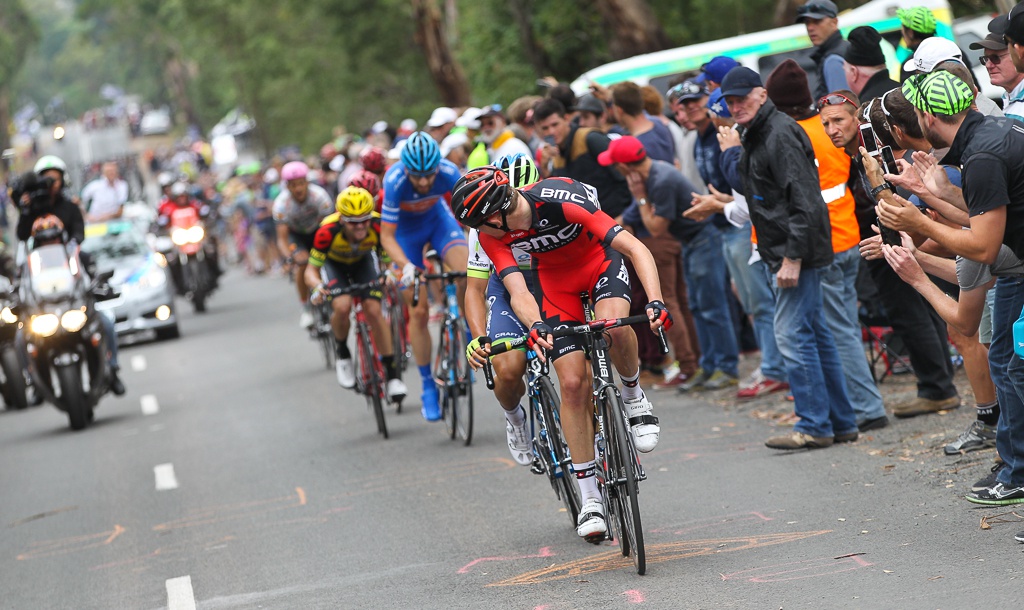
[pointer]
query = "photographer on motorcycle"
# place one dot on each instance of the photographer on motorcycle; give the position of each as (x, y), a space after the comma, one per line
(179, 198)
(40, 194)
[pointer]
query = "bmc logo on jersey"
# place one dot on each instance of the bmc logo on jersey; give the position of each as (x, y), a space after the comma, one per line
(549, 241)
(562, 194)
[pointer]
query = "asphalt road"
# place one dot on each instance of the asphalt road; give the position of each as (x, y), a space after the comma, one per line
(236, 474)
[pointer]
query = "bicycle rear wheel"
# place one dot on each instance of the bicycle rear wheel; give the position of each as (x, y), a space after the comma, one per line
(462, 394)
(622, 479)
(559, 462)
(373, 378)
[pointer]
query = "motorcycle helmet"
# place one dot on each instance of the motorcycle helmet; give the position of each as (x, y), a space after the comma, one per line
(178, 189)
(47, 229)
(47, 162)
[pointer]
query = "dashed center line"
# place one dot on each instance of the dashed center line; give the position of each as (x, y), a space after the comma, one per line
(149, 405)
(165, 478)
(179, 594)
(138, 362)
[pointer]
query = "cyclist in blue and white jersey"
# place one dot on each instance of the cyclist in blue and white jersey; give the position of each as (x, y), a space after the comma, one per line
(416, 212)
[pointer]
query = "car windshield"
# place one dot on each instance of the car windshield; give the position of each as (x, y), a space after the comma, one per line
(110, 246)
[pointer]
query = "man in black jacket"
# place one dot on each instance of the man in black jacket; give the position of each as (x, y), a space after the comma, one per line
(794, 237)
(821, 18)
(571, 151)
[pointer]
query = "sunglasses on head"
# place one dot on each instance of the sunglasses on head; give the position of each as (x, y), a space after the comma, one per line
(835, 99)
(820, 9)
(685, 88)
(885, 111)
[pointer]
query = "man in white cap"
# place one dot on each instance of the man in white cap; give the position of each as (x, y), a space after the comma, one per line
(933, 52)
(499, 138)
(441, 122)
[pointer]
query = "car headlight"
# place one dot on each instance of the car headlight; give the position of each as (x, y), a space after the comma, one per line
(73, 320)
(195, 234)
(8, 316)
(179, 236)
(154, 278)
(44, 325)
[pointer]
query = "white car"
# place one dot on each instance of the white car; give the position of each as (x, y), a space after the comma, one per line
(155, 122)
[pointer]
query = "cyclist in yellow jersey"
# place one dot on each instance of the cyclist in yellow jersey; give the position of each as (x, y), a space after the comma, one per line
(344, 253)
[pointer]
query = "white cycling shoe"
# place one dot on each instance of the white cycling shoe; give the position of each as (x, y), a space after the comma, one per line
(642, 424)
(518, 443)
(306, 319)
(590, 525)
(396, 390)
(346, 373)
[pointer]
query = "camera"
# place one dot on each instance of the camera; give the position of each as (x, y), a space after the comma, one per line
(30, 191)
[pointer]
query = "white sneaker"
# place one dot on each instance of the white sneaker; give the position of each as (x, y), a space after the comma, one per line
(518, 444)
(346, 373)
(590, 525)
(645, 429)
(396, 390)
(306, 319)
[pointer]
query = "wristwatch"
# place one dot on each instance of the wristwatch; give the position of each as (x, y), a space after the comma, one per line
(885, 186)
(642, 201)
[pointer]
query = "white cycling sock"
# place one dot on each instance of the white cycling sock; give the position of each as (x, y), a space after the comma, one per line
(631, 386)
(517, 416)
(587, 481)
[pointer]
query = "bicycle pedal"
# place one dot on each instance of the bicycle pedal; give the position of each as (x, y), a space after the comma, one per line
(597, 538)
(536, 467)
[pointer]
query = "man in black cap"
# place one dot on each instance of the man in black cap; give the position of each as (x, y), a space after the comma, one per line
(1001, 71)
(783, 191)
(821, 18)
(591, 113)
(865, 64)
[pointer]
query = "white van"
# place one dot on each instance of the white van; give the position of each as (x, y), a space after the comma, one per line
(762, 51)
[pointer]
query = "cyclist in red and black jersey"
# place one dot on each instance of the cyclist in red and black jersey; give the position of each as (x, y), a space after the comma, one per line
(575, 248)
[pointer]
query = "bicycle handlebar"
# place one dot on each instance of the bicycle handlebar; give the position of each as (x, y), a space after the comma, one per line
(448, 276)
(596, 326)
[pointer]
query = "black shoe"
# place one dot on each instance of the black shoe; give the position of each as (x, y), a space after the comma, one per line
(116, 385)
(989, 481)
(1019, 537)
(876, 423)
(998, 495)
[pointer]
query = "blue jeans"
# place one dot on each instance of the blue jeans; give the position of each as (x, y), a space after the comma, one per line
(704, 268)
(839, 296)
(815, 371)
(1008, 375)
(763, 312)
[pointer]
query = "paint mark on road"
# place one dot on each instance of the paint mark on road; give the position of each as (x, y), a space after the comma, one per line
(165, 478)
(423, 476)
(713, 523)
(796, 570)
(633, 596)
(43, 515)
(138, 362)
(63, 546)
(149, 405)
(542, 552)
(179, 594)
(227, 512)
(656, 553)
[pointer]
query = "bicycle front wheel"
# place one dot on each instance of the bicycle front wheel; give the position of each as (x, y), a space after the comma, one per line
(561, 469)
(462, 396)
(325, 334)
(374, 378)
(620, 457)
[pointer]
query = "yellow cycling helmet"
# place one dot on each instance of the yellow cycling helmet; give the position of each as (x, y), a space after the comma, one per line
(355, 204)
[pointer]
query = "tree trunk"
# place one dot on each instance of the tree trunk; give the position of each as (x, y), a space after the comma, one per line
(785, 12)
(446, 71)
(176, 77)
(633, 27)
(522, 12)
(5, 120)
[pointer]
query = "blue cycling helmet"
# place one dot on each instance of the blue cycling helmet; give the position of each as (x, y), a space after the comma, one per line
(421, 155)
(520, 169)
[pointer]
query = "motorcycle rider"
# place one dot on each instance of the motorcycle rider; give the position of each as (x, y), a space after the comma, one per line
(48, 229)
(179, 197)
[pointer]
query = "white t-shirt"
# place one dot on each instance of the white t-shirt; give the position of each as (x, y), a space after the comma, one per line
(102, 198)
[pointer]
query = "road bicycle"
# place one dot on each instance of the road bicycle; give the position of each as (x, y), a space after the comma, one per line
(550, 451)
(370, 378)
(450, 367)
(397, 315)
(619, 470)
(322, 333)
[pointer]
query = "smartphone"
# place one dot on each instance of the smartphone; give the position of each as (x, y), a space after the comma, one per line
(549, 140)
(889, 236)
(867, 139)
(889, 161)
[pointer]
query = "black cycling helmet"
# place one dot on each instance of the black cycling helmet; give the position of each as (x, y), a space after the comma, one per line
(479, 194)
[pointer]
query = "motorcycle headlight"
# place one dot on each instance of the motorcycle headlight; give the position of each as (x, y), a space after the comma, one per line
(195, 234)
(73, 320)
(44, 325)
(8, 316)
(179, 237)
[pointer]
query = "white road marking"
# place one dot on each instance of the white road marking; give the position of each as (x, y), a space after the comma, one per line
(149, 405)
(156, 427)
(179, 594)
(138, 362)
(165, 478)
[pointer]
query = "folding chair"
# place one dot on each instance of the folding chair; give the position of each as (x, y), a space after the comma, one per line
(878, 340)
